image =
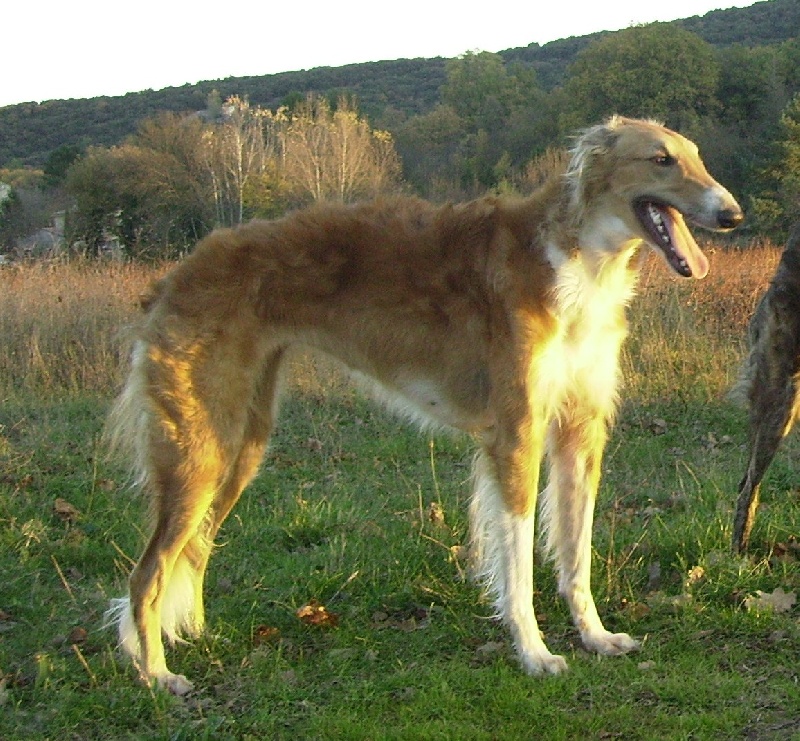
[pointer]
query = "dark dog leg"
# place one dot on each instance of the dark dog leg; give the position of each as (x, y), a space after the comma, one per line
(746, 507)
(770, 424)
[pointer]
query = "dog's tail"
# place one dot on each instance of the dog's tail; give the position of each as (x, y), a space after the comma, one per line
(125, 435)
(739, 393)
(126, 430)
(179, 613)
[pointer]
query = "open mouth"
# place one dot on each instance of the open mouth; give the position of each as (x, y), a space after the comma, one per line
(666, 231)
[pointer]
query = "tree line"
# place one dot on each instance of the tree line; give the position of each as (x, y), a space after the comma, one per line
(495, 127)
(179, 177)
(388, 92)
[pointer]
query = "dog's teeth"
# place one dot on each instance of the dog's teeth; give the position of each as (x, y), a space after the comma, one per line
(658, 222)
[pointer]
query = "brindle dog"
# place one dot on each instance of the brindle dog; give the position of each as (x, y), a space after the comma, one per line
(770, 381)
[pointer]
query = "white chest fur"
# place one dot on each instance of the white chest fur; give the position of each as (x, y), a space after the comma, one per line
(580, 362)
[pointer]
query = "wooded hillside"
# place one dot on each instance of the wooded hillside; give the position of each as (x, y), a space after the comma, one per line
(386, 91)
(153, 171)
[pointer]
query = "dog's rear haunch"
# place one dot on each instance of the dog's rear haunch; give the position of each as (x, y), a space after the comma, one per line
(501, 317)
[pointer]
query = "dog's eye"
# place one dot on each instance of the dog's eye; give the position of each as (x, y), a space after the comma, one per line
(664, 160)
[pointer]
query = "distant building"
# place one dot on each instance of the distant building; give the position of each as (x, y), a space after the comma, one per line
(46, 242)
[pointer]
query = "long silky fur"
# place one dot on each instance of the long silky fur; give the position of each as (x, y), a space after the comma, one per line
(502, 317)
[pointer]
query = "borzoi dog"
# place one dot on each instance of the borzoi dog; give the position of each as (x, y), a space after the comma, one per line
(769, 381)
(501, 317)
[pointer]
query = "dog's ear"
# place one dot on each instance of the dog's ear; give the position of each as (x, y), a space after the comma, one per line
(600, 139)
(591, 144)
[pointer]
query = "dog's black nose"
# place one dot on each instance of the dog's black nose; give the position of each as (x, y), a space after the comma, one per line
(729, 218)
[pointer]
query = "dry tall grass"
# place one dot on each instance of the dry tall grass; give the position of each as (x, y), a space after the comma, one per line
(688, 336)
(61, 325)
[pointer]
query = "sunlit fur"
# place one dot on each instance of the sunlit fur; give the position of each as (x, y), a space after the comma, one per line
(769, 381)
(502, 317)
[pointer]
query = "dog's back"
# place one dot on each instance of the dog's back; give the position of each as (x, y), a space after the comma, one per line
(773, 337)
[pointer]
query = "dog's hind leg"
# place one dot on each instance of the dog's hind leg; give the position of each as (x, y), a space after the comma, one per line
(204, 442)
(771, 419)
(161, 586)
(259, 426)
(575, 449)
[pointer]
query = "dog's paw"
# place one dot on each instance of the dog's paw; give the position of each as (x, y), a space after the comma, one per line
(175, 684)
(610, 644)
(540, 663)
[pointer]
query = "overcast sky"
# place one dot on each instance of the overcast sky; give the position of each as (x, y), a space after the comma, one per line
(88, 48)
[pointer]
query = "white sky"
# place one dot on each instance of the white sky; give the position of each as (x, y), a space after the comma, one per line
(87, 48)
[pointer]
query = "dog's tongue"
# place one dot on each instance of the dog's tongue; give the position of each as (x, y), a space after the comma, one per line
(670, 235)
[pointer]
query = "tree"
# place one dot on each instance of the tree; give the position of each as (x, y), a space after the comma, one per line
(180, 176)
(659, 71)
(479, 90)
(428, 145)
(12, 216)
(749, 89)
(334, 154)
(143, 197)
(235, 153)
(777, 206)
(177, 186)
(489, 124)
(93, 181)
(58, 163)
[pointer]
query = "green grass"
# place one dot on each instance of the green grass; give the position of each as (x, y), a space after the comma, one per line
(341, 514)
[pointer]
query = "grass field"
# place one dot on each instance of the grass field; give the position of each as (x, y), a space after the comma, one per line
(366, 517)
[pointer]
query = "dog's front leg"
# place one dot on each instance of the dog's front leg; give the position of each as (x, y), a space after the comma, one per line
(576, 447)
(516, 605)
(502, 523)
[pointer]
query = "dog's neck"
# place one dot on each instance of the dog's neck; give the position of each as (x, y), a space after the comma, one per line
(601, 243)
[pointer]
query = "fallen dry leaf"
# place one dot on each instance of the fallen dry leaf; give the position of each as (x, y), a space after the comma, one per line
(314, 444)
(696, 574)
(415, 617)
(77, 635)
(637, 610)
(490, 647)
(65, 511)
(317, 614)
(436, 514)
(789, 551)
(775, 601)
(265, 634)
